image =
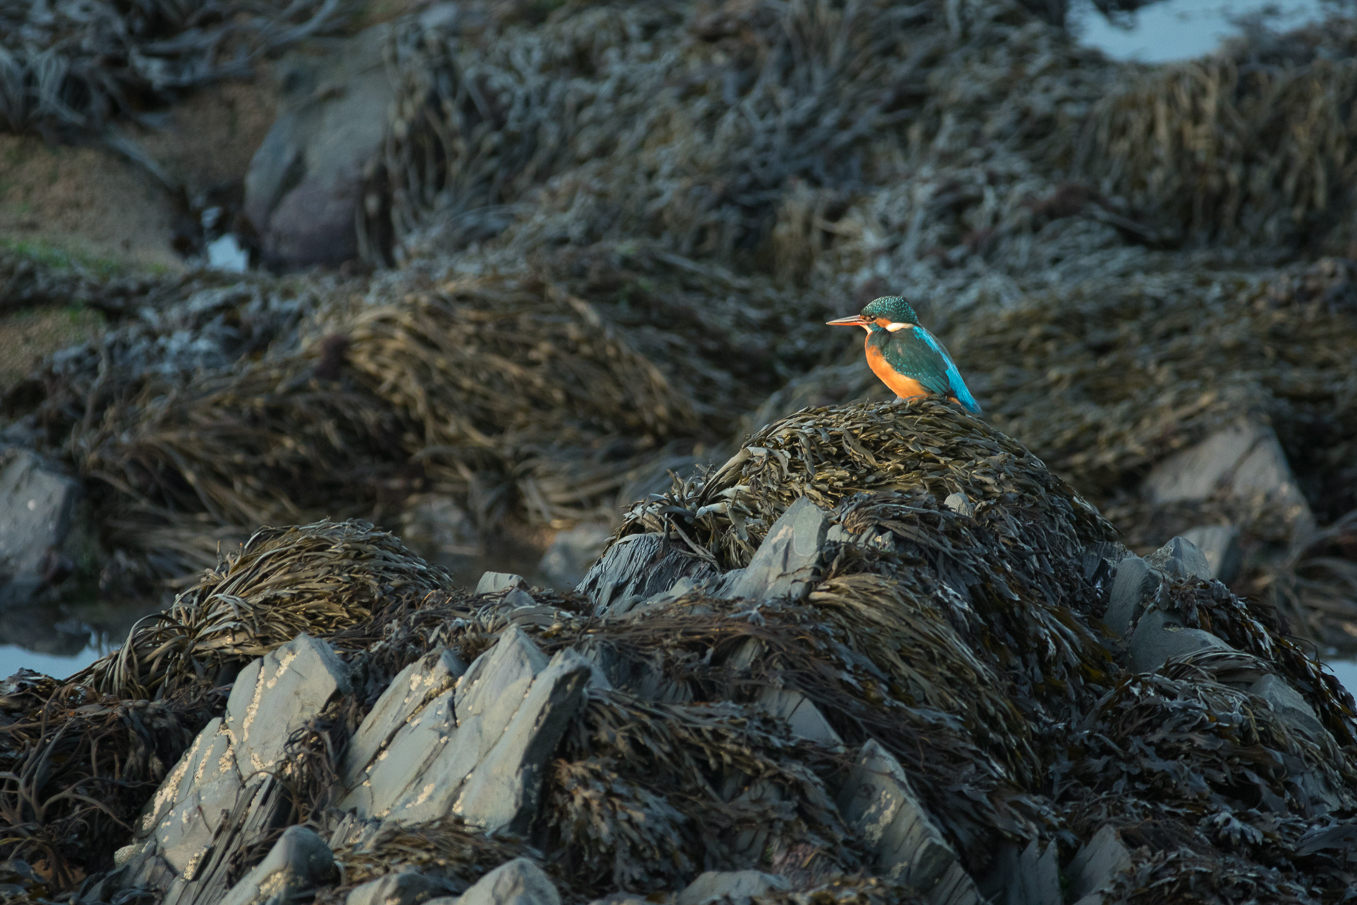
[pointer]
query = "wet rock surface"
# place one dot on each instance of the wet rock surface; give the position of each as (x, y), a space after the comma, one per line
(228, 783)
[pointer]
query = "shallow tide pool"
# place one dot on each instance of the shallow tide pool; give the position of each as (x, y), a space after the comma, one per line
(1182, 29)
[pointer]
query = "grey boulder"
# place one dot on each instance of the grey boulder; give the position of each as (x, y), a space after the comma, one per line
(1136, 585)
(409, 887)
(1160, 637)
(1097, 865)
(1288, 704)
(299, 861)
(42, 533)
(733, 885)
(784, 564)
(517, 882)
(1244, 462)
(1219, 544)
(306, 181)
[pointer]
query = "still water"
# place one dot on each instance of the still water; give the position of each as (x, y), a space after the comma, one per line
(1182, 29)
(62, 640)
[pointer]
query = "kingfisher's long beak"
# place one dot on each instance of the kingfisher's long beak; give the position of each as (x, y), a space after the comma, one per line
(857, 320)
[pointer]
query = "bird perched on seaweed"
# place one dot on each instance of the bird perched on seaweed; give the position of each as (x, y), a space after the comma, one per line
(906, 357)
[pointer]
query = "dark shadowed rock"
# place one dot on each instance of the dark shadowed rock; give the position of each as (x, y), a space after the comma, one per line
(1180, 559)
(1160, 637)
(437, 526)
(1139, 583)
(1097, 865)
(306, 180)
(638, 567)
(299, 861)
(1023, 875)
(1220, 545)
(1287, 703)
(1136, 585)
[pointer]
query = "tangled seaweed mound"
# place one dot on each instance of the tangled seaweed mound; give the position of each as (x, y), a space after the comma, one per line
(264, 403)
(69, 67)
(1251, 144)
(891, 658)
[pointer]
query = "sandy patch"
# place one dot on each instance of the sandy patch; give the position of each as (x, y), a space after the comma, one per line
(27, 336)
(95, 203)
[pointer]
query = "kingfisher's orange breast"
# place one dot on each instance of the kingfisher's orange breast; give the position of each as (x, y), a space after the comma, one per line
(902, 386)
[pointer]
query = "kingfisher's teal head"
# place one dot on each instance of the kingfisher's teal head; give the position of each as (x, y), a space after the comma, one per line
(889, 312)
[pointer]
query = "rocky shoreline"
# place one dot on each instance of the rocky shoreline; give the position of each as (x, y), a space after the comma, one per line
(821, 648)
(938, 678)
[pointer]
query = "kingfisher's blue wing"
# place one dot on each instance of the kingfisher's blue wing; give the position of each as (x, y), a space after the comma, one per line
(916, 353)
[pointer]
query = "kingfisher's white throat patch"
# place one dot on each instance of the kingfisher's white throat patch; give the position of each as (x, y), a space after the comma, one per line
(894, 327)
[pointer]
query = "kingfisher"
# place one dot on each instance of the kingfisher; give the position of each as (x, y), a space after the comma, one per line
(906, 357)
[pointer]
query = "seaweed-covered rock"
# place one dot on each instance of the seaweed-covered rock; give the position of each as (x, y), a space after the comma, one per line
(956, 656)
(476, 752)
(233, 769)
(298, 862)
